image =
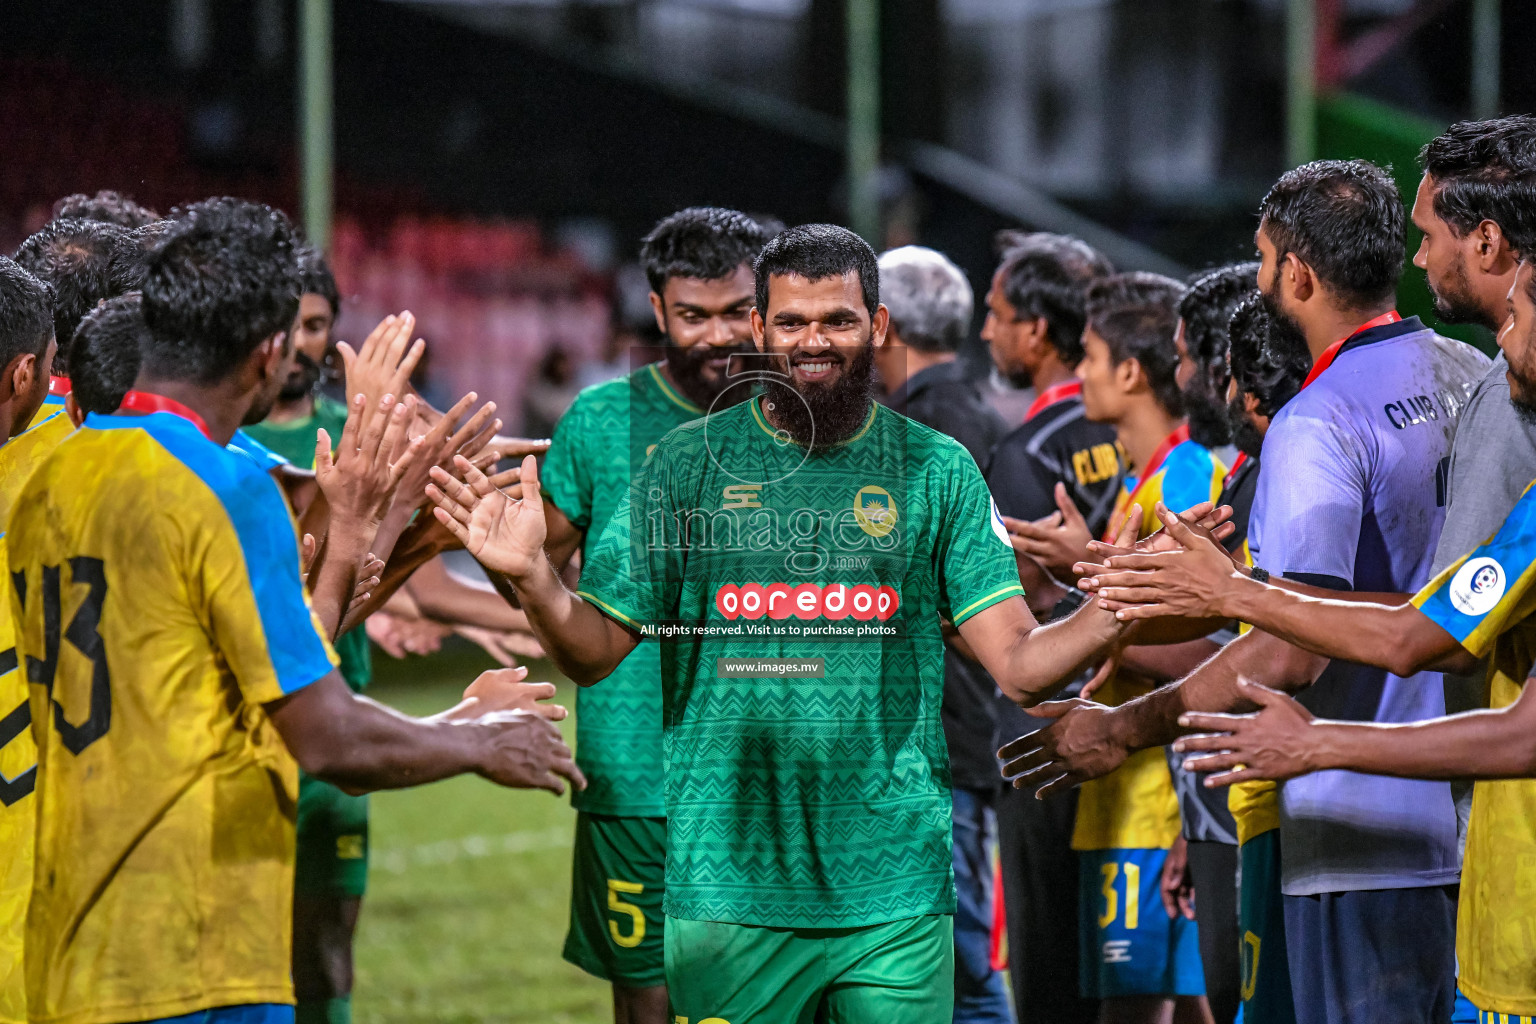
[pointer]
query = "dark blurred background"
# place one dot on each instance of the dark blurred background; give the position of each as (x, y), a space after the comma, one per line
(496, 161)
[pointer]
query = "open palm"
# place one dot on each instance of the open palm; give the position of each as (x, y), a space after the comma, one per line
(504, 534)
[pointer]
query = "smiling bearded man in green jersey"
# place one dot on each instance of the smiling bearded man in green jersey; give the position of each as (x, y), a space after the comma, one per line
(793, 556)
(699, 265)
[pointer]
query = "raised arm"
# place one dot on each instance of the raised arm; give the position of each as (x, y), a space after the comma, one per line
(507, 536)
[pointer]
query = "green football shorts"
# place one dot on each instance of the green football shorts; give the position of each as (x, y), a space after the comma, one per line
(902, 972)
(618, 876)
(332, 851)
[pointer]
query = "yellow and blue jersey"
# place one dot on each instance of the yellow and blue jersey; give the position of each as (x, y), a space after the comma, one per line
(18, 775)
(160, 609)
(1486, 600)
(1135, 807)
(18, 753)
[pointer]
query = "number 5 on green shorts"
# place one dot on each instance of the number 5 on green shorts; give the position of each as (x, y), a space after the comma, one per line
(618, 873)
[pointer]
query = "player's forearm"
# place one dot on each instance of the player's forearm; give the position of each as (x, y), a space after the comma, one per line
(1485, 744)
(443, 596)
(1398, 638)
(583, 643)
(1164, 663)
(413, 550)
(1043, 660)
(1153, 719)
(345, 547)
(379, 748)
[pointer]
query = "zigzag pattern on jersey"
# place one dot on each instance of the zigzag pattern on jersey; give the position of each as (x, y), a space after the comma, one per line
(834, 869)
(806, 802)
(600, 444)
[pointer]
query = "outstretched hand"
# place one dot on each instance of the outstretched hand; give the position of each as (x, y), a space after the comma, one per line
(1079, 745)
(1192, 580)
(360, 480)
(383, 366)
(1278, 742)
(504, 534)
(1056, 541)
(456, 432)
(1206, 517)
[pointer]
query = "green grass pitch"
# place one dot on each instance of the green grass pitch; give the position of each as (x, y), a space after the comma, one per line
(469, 883)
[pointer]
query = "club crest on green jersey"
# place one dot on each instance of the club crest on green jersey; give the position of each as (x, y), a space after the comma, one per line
(874, 510)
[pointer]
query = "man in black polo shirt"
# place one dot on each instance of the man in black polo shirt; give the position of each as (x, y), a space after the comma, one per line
(1035, 317)
(930, 305)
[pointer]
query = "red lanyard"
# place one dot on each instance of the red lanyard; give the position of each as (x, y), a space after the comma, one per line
(1332, 351)
(1053, 394)
(58, 386)
(1242, 457)
(148, 401)
(1155, 463)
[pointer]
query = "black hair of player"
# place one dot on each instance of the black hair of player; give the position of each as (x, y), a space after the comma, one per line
(317, 279)
(1485, 170)
(26, 313)
(1134, 288)
(221, 282)
(1047, 276)
(1266, 363)
(1145, 333)
(817, 252)
(106, 205)
(106, 353)
(705, 242)
(1344, 219)
(1136, 313)
(84, 261)
(1207, 308)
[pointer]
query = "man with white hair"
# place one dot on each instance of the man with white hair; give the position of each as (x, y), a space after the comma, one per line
(930, 304)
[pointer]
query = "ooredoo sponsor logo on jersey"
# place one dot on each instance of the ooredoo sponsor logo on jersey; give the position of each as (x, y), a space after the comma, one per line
(807, 601)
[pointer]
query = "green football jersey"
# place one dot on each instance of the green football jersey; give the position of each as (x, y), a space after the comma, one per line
(599, 445)
(803, 800)
(294, 440)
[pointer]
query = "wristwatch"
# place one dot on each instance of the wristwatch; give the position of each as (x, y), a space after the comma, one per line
(1259, 575)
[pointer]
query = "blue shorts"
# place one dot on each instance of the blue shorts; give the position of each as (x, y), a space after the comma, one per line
(249, 1013)
(1378, 955)
(1261, 922)
(1127, 945)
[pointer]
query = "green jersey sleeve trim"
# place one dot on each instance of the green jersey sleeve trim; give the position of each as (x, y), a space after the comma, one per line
(984, 603)
(671, 392)
(608, 609)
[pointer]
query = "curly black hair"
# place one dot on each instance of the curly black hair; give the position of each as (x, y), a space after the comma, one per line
(83, 261)
(1344, 219)
(225, 278)
(818, 251)
(706, 242)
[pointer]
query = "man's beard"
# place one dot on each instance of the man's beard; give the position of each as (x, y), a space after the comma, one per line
(1244, 434)
(830, 412)
(302, 381)
(1020, 379)
(687, 368)
(1455, 305)
(1208, 423)
(1270, 297)
(1522, 387)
